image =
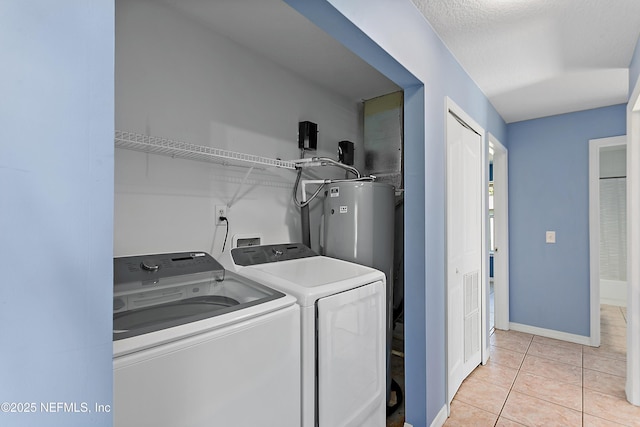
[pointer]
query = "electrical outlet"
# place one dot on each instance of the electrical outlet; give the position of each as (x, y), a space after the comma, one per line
(550, 236)
(221, 210)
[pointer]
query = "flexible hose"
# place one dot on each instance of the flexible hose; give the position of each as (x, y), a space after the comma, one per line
(333, 162)
(295, 192)
(323, 162)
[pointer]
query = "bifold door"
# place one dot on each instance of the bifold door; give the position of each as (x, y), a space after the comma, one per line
(464, 250)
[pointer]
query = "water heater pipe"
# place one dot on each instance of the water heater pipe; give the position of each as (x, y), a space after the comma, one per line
(325, 161)
(304, 183)
(305, 222)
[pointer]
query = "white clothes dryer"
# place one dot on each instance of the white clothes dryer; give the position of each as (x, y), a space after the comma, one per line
(195, 345)
(342, 309)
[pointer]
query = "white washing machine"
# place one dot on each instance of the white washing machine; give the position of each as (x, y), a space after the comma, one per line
(342, 309)
(195, 345)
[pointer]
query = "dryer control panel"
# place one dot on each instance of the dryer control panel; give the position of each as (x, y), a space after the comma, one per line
(254, 255)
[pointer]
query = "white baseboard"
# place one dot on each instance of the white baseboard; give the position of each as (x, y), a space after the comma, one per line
(440, 419)
(613, 292)
(486, 353)
(550, 333)
(616, 302)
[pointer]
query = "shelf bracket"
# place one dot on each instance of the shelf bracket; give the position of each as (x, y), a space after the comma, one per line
(244, 179)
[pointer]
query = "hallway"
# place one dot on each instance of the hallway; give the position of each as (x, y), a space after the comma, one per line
(536, 381)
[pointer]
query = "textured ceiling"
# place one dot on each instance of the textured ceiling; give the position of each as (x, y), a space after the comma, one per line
(532, 58)
(536, 58)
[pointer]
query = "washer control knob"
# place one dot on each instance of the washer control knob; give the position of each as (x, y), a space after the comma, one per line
(277, 252)
(149, 265)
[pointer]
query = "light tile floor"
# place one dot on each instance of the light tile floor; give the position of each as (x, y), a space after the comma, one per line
(535, 381)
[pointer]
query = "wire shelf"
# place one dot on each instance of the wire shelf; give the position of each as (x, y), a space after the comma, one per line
(172, 148)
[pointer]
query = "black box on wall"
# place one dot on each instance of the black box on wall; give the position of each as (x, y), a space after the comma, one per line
(307, 135)
(345, 152)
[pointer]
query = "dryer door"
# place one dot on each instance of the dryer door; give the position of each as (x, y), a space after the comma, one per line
(351, 357)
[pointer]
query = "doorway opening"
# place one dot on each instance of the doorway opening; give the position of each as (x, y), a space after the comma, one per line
(613, 225)
(492, 244)
(633, 248)
(607, 227)
(608, 245)
(498, 219)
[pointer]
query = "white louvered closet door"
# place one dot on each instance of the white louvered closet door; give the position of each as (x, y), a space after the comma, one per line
(464, 251)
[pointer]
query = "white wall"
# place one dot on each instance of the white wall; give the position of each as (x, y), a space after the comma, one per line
(175, 78)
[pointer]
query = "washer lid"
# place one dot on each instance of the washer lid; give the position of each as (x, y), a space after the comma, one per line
(309, 279)
(161, 291)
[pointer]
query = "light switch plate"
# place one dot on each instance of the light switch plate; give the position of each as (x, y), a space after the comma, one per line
(551, 236)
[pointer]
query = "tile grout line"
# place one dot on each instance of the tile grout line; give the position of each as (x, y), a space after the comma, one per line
(514, 381)
(555, 359)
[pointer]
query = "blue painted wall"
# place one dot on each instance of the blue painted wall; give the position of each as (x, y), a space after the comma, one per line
(398, 41)
(549, 190)
(56, 209)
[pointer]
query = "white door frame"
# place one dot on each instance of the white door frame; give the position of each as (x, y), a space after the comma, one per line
(594, 229)
(501, 211)
(633, 247)
(484, 273)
